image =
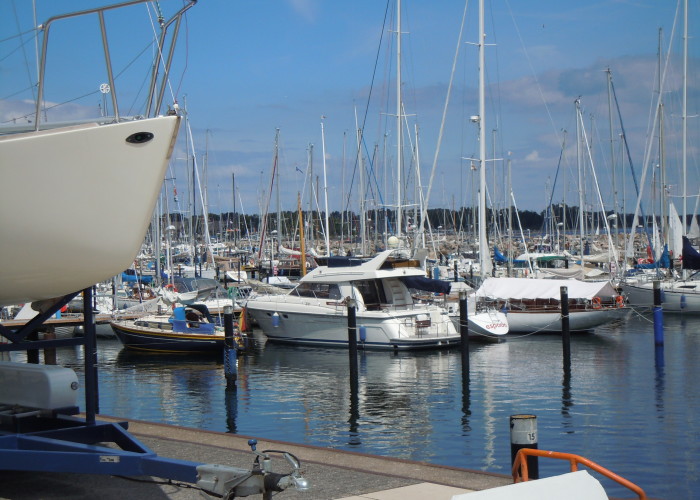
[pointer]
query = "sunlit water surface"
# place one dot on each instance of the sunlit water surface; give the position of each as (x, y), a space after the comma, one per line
(626, 405)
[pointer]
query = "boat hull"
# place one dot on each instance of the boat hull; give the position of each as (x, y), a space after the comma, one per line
(376, 330)
(487, 325)
(681, 297)
(164, 341)
(535, 321)
(92, 174)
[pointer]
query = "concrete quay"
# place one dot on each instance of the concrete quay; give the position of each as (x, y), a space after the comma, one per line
(333, 474)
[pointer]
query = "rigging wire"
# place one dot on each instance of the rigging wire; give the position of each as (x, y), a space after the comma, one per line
(369, 98)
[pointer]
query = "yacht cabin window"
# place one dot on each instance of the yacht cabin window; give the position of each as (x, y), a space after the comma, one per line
(372, 292)
(318, 290)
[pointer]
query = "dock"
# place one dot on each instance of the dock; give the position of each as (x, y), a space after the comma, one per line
(333, 474)
(67, 319)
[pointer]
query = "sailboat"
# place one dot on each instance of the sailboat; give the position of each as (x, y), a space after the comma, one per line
(678, 293)
(532, 304)
(57, 168)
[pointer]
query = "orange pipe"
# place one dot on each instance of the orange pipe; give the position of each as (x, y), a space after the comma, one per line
(520, 467)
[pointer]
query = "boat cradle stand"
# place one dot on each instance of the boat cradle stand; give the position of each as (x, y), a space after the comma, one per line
(39, 429)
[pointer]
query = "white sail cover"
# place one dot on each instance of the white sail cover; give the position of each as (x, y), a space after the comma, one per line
(534, 288)
(675, 237)
(694, 231)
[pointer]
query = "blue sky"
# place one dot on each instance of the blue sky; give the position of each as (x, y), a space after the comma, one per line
(247, 68)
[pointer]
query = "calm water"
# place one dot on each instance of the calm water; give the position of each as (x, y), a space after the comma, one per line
(626, 405)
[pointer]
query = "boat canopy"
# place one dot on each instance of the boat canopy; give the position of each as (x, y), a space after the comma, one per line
(664, 261)
(534, 288)
(691, 257)
(426, 284)
(500, 258)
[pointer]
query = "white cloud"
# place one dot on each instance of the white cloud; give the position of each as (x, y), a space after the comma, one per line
(533, 156)
(305, 8)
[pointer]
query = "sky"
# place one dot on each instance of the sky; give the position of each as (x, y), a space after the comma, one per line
(263, 79)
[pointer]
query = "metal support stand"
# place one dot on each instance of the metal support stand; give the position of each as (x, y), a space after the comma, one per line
(55, 440)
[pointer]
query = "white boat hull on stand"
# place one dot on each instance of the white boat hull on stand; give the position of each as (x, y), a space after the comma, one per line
(92, 173)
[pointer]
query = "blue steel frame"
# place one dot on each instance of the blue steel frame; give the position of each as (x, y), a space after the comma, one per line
(55, 441)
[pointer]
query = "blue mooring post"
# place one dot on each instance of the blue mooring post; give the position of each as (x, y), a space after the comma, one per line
(565, 333)
(352, 345)
(230, 350)
(658, 315)
(523, 434)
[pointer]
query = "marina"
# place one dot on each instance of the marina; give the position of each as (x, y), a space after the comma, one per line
(626, 404)
(381, 346)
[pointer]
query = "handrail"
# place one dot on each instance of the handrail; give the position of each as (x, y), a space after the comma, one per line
(100, 12)
(520, 473)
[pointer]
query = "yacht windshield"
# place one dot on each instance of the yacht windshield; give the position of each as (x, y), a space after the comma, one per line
(317, 290)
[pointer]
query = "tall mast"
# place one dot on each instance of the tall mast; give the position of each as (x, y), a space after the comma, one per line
(684, 119)
(238, 225)
(399, 128)
(342, 196)
(361, 168)
(277, 190)
(484, 261)
(579, 154)
(662, 153)
(205, 174)
(302, 243)
(325, 190)
(310, 221)
(612, 144)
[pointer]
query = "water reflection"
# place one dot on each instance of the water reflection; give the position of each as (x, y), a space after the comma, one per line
(567, 400)
(429, 406)
(231, 402)
(466, 399)
(659, 379)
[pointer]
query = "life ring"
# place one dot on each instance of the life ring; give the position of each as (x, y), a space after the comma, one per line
(620, 301)
(596, 303)
(170, 286)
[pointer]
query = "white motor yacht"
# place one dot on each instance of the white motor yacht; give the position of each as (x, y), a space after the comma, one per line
(315, 312)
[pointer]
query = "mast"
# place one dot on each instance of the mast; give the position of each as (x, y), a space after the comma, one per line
(277, 193)
(399, 128)
(342, 197)
(612, 145)
(361, 168)
(484, 261)
(684, 118)
(205, 174)
(302, 243)
(579, 153)
(510, 221)
(662, 154)
(325, 190)
(238, 226)
(311, 192)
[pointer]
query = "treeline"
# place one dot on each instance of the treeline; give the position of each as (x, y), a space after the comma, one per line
(384, 220)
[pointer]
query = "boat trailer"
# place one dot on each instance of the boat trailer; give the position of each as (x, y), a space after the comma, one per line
(40, 430)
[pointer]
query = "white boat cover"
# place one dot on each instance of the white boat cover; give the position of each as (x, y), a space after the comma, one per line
(535, 288)
(579, 485)
(573, 272)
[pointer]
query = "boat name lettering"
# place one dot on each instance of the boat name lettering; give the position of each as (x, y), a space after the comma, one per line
(496, 325)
